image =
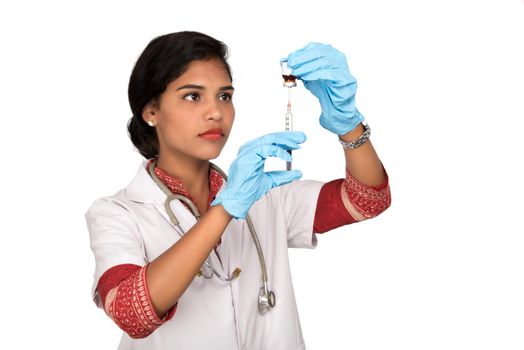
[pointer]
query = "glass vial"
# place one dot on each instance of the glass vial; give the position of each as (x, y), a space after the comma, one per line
(289, 79)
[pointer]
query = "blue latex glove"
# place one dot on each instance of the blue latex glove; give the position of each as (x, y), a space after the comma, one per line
(247, 181)
(325, 73)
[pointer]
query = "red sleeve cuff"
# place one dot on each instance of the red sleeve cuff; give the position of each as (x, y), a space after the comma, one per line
(345, 201)
(331, 212)
(129, 304)
(363, 201)
(112, 278)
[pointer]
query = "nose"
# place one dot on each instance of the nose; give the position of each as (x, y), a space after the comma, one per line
(214, 113)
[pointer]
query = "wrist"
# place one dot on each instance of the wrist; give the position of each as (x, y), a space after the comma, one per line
(220, 211)
(356, 137)
(342, 122)
(231, 207)
(353, 134)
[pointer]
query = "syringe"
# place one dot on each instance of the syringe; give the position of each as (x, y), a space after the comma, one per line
(289, 122)
(289, 82)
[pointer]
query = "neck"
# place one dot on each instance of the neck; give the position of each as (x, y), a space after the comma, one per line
(193, 173)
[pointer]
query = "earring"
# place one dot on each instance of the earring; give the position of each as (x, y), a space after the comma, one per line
(151, 123)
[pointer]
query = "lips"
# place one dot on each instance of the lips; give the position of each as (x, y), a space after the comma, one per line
(212, 134)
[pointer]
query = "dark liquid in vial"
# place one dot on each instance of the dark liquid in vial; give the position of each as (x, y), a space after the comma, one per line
(289, 78)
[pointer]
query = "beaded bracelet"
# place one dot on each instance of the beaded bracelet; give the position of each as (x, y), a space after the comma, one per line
(358, 142)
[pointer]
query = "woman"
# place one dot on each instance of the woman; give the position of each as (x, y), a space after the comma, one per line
(151, 275)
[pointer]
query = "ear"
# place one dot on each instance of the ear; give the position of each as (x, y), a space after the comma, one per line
(149, 113)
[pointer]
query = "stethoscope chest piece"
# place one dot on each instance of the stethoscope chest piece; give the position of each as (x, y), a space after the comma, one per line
(266, 300)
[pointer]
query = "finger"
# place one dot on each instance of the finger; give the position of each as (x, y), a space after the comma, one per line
(310, 46)
(281, 138)
(283, 177)
(299, 51)
(311, 53)
(289, 140)
(266, 151)
(324, 68)
(285, 144)
(253, 159)
(307, 53)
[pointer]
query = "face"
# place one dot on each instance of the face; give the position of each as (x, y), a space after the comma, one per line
(195, 114)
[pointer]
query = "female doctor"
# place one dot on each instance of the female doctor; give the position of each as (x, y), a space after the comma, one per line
(179, 262)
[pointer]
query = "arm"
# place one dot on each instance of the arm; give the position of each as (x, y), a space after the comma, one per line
(134, 292)
(325, 73)
(363, 162)
(365, 191)
(169, 275)
(130, 292)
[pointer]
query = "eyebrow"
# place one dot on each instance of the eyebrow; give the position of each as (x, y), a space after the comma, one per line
(200, 87)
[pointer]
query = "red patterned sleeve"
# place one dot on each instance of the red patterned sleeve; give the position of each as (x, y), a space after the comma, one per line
(345, 201)
(124, 294)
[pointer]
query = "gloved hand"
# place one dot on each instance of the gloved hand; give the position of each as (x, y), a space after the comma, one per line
(325, 73)
(247, 181)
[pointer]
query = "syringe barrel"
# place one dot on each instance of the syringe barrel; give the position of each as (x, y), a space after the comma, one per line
(289, 121)
(289, 127)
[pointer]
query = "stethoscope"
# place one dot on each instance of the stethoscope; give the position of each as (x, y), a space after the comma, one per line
(266, 298)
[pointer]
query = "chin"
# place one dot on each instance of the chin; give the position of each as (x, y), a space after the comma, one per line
(214, 156)
(211, 155)
(209, 152)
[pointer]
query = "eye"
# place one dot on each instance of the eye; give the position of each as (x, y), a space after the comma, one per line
(225, 97)
(194, 96)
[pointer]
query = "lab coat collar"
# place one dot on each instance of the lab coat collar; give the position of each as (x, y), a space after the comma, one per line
(143, 189)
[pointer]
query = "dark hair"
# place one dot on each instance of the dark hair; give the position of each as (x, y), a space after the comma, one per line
(163, 60)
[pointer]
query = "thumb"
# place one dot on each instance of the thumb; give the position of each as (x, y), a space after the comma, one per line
(283, 177)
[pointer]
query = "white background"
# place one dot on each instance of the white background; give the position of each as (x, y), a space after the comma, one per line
(440, 82)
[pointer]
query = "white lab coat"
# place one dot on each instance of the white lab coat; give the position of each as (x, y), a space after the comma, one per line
(132, 227)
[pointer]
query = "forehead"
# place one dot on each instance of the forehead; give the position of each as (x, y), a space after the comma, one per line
(212, 70)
